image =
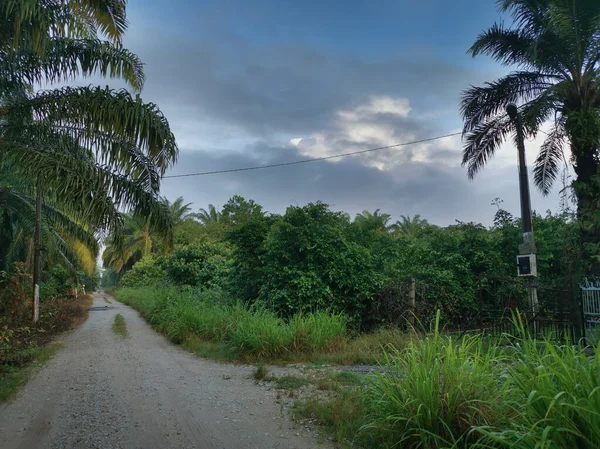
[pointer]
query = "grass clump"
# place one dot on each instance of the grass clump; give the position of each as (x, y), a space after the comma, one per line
(119, 327)
(439, 392)
(554, 399)
(260, 372)
(289, 382)
(341, 416)
(434, 392)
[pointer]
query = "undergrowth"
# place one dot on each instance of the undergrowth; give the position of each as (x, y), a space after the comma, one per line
(233, 330)
(440, 392)
(24, 346)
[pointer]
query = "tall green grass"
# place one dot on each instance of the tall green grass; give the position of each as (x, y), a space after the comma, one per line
(433, 393)
(554, 396)
(184, 314)
(440, 392)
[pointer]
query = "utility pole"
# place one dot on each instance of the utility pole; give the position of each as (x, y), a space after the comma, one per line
(527, 246)
(37, 252)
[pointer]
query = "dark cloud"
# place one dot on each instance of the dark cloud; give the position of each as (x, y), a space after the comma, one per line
(285, 87)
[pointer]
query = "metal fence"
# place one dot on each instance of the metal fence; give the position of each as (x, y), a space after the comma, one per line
(590, 303)
(501, 299)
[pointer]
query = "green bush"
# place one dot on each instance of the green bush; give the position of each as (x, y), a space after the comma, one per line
(310, 264)
(148, 271)
(204, 263)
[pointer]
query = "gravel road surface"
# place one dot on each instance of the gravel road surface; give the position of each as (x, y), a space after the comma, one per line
(105, 391)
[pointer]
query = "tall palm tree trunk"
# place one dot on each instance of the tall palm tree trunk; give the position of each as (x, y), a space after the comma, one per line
(37, 250)
(584, 132)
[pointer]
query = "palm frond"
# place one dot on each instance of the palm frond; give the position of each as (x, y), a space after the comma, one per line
(549, 160)
(482, 142)
(64, 59)
(480, 103)
(107, 111)
(109, 16)
(503, 45)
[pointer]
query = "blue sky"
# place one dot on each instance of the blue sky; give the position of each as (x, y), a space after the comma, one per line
(257, 82)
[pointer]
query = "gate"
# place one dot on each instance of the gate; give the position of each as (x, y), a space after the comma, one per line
(590, 301)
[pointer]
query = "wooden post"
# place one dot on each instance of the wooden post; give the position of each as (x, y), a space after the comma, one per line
(37, 252)
(411, 301)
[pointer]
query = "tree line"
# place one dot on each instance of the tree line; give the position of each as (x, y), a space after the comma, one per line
(313, 258)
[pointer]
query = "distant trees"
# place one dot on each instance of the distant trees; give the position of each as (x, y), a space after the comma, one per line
(212, 215)
(409, 226)
(313, 258)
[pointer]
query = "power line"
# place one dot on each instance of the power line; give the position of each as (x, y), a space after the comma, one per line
(304, 161)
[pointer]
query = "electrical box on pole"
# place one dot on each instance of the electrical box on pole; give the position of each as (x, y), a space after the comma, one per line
(526, 265)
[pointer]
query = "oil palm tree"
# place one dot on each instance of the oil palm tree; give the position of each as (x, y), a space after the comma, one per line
(94, 150)
(138, 238)
(179, 210)
(409, 226)
(376, 219)
(65, 240)
(80, 140)
(212, 215)
(555, 47)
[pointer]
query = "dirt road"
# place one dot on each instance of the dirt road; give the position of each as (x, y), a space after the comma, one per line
(105, 391)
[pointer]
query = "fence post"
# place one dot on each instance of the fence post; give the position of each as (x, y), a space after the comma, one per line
(480, 306)
(412, 289)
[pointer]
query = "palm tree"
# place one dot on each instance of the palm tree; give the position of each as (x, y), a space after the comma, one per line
(65, 240)
(76, 141)
(179, 210)
(555, 46)
(93, 150)
(212, 215)
(410, 226)
(137, 239)
(376, 219)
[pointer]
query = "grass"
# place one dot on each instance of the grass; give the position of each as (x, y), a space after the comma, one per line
(288, 382)
(260, 372)
(14, 377)
(119, 327)
(209, 324)
(340, 417)
(440, 392)
(219, 351)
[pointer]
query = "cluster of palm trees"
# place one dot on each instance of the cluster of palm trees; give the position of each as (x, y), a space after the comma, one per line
(73, 159)
(406, 226)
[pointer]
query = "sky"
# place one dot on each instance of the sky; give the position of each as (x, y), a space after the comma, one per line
(254, 82)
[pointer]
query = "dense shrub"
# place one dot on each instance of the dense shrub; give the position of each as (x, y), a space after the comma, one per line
(310, 264)
(148, 271)
(312, 258)
(204, 263)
